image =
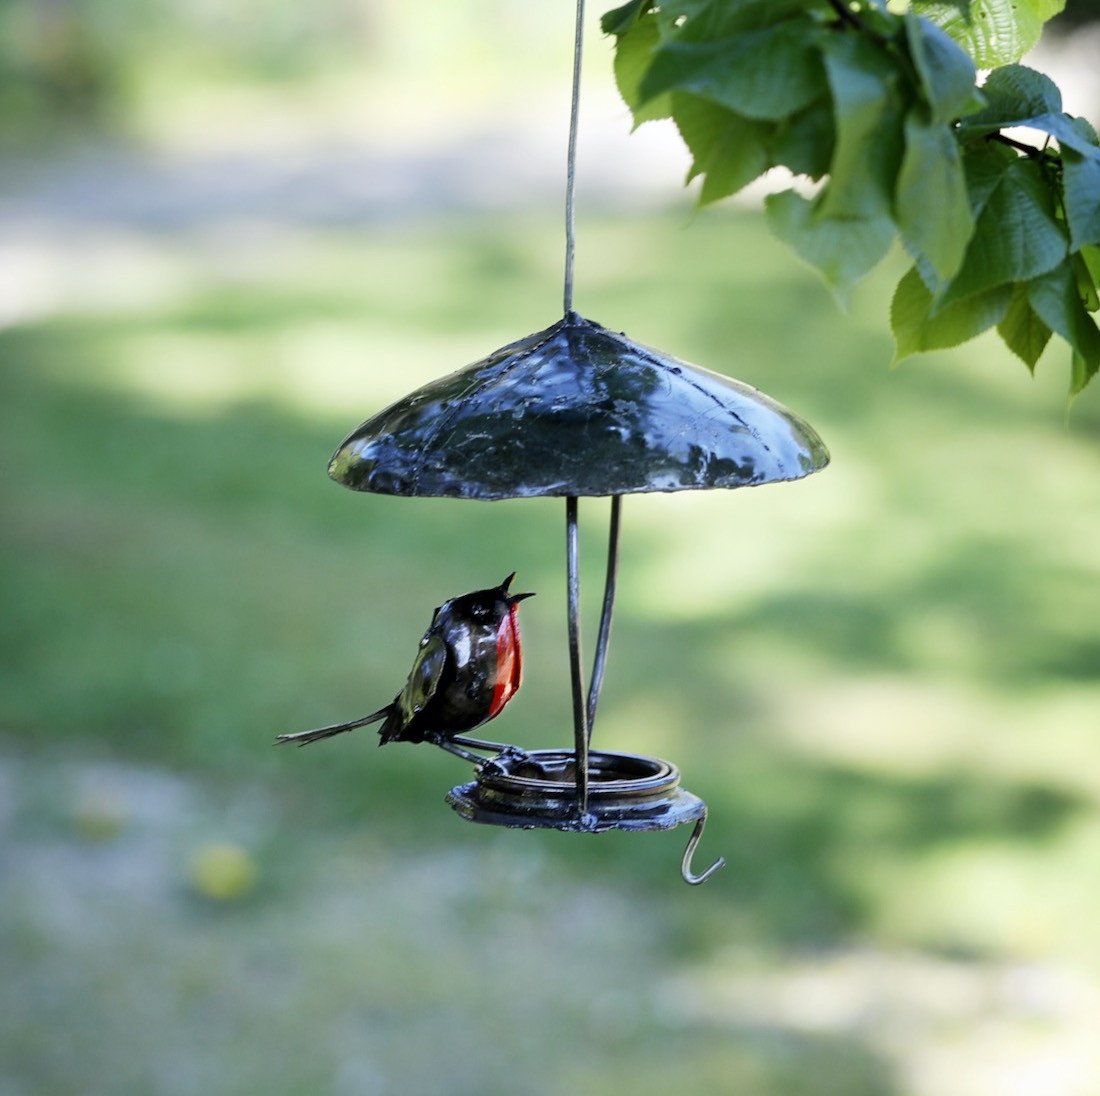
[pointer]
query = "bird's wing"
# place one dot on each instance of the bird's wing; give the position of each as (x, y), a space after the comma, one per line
(423, 678)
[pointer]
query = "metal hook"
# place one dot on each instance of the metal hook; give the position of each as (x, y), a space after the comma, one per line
(685, 864)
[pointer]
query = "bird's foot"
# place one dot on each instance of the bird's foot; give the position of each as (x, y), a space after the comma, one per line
(463, 747)
(506, 761)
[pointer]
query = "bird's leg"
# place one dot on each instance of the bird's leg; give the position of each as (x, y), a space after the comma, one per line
(501, 749)
(449, 744)
(479, 743)
(456, 744)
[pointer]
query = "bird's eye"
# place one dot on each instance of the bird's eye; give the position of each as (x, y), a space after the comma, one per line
(479, 611)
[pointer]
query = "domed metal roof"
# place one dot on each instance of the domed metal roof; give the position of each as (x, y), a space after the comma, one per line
(573, 410)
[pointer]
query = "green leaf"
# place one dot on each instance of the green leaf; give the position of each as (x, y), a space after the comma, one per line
(1086, 131)
(728, 149)
(1086, 281)
(1020, 92)
(869, 119)
(993, 32)
(932, 206)
(804, 142)
(1055, 299)
(766, 74)
(633, 54)
(1023, 332)
(702, 20)
(917, 326)
(622, 19)
(1068, 131)
(946, 72)
(843, 250)
(1014, 94)
(1080, 375)
(984, 165)
(1090, 256)
(1081, 189)
(1016, 237)
(671, 15)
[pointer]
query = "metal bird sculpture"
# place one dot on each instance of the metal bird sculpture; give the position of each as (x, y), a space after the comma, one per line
(467, 668)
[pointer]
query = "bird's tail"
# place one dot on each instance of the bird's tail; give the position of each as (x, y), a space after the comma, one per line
(304, 738)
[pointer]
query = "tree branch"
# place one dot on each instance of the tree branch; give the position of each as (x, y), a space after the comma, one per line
(848, 18)
(1030, 151)
(845, 14)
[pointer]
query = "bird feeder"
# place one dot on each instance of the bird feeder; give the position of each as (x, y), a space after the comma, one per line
(578, 410)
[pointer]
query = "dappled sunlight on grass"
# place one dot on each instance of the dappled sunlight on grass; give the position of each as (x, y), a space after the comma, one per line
(949, 1024)
(919, 725)
(996, 898)
(197, 372)
(756, 540)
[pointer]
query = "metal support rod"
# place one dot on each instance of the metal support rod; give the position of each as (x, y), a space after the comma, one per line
(600, 660)
(576, 672)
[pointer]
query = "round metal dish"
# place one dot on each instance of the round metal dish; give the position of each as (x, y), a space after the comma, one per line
(537, 790)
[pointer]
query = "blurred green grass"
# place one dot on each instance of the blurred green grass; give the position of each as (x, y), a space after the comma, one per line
(885, 680)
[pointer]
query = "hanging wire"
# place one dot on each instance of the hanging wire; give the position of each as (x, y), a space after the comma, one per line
(580, 712)
(571, 160)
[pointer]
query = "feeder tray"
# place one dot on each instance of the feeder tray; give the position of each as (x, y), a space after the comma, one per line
(537, 790)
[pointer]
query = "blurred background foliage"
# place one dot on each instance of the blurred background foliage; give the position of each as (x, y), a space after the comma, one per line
(66, 63)
(229, 234)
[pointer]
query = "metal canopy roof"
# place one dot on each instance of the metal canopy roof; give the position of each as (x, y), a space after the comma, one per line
(577, 409)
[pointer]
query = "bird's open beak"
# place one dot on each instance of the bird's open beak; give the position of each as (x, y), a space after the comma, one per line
(512, 599)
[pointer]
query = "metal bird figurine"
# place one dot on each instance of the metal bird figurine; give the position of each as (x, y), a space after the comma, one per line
(467, 669)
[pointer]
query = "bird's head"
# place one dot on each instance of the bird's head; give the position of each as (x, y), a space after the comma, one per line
(488, 606)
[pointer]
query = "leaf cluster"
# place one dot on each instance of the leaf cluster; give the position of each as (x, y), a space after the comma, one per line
(993, 190)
